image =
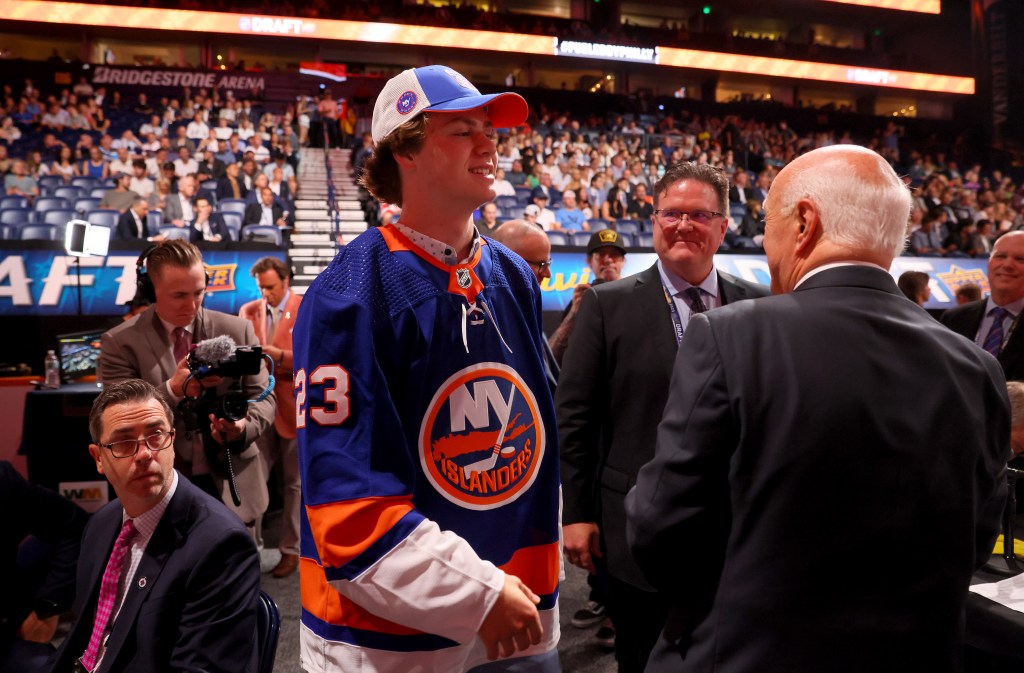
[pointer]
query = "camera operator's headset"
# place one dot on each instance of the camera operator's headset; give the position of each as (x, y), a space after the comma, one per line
(143, 282)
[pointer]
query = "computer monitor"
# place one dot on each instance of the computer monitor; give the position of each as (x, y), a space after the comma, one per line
(79, 354)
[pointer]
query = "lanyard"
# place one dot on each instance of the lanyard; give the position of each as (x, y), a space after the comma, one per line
(677, 323)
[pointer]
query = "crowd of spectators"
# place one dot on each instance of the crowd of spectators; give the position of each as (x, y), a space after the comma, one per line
(207, 144)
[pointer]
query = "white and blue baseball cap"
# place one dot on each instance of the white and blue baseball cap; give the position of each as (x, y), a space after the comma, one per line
(438, 88)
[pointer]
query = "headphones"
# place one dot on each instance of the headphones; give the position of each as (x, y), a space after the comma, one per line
(143, 281)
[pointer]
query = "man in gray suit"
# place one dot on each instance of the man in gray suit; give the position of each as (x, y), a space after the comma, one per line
(614, 382)
(153, 347)
(814, 439)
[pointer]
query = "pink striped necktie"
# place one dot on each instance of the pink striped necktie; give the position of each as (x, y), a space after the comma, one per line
(181, 344)
(108, 593)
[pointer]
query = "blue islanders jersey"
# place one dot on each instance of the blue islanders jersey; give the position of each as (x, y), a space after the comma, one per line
(428, 452)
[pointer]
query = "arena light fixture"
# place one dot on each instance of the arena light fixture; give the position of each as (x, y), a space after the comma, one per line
(925, 6)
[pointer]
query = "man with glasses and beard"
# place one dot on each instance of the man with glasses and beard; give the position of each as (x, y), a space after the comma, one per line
(614, 384)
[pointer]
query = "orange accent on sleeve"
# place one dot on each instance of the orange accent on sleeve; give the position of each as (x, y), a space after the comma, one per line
(537, 566)
(344, 530)
(324, 602)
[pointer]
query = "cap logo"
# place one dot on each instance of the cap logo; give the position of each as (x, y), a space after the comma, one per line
(406, 102)
(459, 79)
(608, 236)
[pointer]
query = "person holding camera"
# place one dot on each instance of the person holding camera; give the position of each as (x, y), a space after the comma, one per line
(219, 454)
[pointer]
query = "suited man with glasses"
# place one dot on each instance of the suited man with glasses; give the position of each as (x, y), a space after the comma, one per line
(614, 384)
(168, 578)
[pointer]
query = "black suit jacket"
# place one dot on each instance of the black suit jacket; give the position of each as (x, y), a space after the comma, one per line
(254, 211)
(611, 392)
(126, 229)
(197, 608)
(811, 441)
(217, 226)
(224, 190)
(966, 320)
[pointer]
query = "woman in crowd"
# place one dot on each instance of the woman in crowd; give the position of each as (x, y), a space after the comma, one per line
(95, 166)
(65, 166)
(158, 199)
(618, 199)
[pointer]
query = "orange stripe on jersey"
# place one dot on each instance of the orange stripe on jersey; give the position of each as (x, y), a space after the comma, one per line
(344, 530)
(325, 603)
(537, 566)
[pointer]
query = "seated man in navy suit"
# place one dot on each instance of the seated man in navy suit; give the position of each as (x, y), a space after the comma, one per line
(168, 577)
(208, 225)
(132, 223)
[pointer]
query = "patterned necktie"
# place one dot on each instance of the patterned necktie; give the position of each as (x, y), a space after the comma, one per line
(108, 593)
(181, 343)
(994, 341)
(697, 304)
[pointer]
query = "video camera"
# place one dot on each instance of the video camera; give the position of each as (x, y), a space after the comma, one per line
(220, 356)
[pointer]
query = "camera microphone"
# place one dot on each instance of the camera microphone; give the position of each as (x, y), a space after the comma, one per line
(216, 349)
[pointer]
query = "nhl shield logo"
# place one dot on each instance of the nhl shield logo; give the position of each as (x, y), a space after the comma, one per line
(463, 278)
(482, 438)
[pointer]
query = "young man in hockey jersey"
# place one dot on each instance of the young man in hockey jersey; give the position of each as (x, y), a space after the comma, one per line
(426, 431)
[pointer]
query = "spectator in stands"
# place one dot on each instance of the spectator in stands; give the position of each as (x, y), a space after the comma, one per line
(259, 151)
(231, 186)
(107, 148)
(249, 172)
(56, 118)
(568, 217)
(272, 317)
(967, 293)
(9, 133)
(266, 212)
(123, 162)
(132, 223)
(185, 164)
(752, 224)
(530, 214)
(281, 188)
(640, 208)
(20, 183)
(914, 286)
(328, 109)
(128, 140)
(208, 225)
(179, 208)
(65, 165)
(140, 182)
(197, 129)
(516, 176)
(161, 191)
(99, 122)
(982, 240)
(119, 198)
(927, 241)
(168, 171)
(6, 162)
(154, 126)
(210, 168)
(615, 205)
(487, 223)
(279, 162)
(182, 140)
(740, 191)
(502, 187)
(197, 567)
(95, 166)
(545, 217)
(142, 105)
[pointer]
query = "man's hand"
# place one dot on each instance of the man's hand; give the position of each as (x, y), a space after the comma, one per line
(582, 542)
(38, 630)
(195, 386)
(223, 431)
(513, 623)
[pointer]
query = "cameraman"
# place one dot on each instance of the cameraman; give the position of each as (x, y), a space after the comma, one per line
(154, 346)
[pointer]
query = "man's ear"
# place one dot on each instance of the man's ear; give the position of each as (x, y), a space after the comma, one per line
(808, 222)
(94, 451)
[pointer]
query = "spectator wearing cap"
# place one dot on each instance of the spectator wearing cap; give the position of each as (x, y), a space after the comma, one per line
(545, 217)
(606, 255)
(570, 218)
(120, 198)
(530, 214)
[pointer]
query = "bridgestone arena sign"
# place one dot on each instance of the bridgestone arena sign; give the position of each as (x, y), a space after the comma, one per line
(178, 79)
(612, 52)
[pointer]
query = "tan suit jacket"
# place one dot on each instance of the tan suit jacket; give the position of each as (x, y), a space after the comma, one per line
(141, 348)
(256, 312)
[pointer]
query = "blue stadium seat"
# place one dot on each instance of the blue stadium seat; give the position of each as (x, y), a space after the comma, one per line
(506, 203)
(645, 239)
(514, 213)
(737, 211)
(98, 192)
(580, 238)
(154, 220)
(523, 195)
(48, 183)
(58, 217)
(231, 206)
(170, 232)
(40, 232)
(84, 182)
(627, 227)
(208, 186)
(597, 224)
(104, 217)
(13, 202)
(558, 238)
(261, 233)
(45, 203)
(627, 239)
(234, 224)
(83, 206)
(68, 192)
(556, 197)
(13, 219)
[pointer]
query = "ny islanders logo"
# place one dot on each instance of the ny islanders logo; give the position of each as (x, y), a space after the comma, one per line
(482, 438)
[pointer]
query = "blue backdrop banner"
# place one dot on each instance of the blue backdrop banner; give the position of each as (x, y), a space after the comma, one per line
(45, 282)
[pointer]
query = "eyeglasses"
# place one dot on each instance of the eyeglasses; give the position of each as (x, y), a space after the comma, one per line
(540, 265)
(668, 216)
(126, 448)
